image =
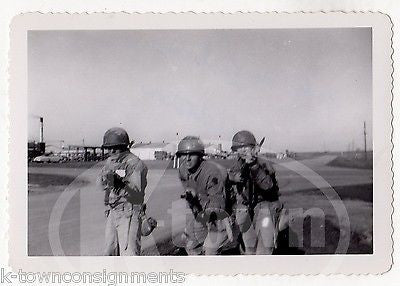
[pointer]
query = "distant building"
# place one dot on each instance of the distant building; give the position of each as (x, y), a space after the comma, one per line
(213, 149)
(153, 151)
(53, 149)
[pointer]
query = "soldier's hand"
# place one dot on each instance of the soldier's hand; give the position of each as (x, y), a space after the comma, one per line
(191, 192)
(118, 181)
(117, 177)
(189, 195)
(236, 177)
(114, 180)
(250, 159)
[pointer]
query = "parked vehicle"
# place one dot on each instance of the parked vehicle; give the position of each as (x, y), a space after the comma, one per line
(48, 158)
(160, 155)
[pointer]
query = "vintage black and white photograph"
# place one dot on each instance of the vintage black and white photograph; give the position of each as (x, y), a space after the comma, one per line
(234, 142)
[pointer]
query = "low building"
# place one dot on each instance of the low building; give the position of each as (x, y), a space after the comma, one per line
(152, 151)
(213, 149)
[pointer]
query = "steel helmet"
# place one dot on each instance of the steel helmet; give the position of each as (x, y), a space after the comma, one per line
(243, 138)
(190, 145)
(115, 136)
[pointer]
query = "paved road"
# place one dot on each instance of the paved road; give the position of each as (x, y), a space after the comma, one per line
(71, 222)
(75, 216)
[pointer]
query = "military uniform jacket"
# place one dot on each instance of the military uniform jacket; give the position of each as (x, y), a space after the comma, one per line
(123, 179)
(210, 184)
(259, 182)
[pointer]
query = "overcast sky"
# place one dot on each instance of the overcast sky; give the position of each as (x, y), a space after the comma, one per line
(305, 90)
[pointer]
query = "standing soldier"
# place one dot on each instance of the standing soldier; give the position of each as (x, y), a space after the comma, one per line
(257, 194)
(123, 179)
(209, 230)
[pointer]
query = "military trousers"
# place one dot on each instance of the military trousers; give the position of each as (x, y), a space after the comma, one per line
(205, 239)
(260, 233)
(122, 232)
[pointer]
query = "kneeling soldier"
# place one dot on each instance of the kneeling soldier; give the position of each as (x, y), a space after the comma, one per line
(209, 230)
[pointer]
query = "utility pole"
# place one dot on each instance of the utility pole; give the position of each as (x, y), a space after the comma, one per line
(365, 141)
(41, 137)
(176, 159)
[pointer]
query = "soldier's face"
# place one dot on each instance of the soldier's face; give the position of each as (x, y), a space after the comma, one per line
(191, 161)
(247, 154)
(118, 149)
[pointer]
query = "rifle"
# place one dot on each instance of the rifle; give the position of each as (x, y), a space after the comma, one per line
(261, 142)
(250, 185)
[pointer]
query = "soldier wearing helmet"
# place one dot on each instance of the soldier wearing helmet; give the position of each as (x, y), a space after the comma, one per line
(208, 231)
(123, 178)
(257, 194)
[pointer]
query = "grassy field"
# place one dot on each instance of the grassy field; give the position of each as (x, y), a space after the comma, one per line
(71, 164)
(311, 201)
(47, 180)
(153, 164)
(353, 160)
(311, 155)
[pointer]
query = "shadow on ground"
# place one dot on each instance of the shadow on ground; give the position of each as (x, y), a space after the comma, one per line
(288, 243)
(316, 229)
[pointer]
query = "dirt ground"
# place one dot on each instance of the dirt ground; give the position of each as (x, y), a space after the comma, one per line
(315, 227)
